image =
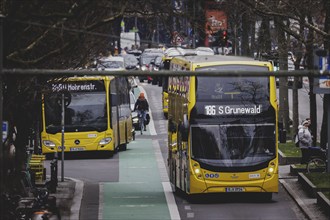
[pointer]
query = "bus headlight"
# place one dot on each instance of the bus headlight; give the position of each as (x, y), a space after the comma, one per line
(48, 143)
(105, 141)
(197, 170)
(271, 169)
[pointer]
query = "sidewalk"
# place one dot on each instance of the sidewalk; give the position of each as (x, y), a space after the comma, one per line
(68, 198)
(306, 204)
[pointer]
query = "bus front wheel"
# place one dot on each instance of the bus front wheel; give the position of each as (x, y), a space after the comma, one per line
(123, 147)
(267, 197)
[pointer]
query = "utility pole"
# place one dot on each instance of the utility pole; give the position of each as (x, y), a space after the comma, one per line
(135, 33)
(194, 25)
(2, 185)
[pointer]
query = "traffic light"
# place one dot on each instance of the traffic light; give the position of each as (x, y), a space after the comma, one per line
(224, 38)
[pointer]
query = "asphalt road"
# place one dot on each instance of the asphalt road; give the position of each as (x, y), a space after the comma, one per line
(133, 184)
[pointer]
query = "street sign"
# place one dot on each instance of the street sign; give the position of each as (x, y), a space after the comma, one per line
(4, 130)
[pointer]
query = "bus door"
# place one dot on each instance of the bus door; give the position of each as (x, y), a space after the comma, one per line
(114, 114)
(182, 162)
(173, 155)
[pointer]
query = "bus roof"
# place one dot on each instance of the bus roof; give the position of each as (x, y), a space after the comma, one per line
(178, 51)
(212, 59)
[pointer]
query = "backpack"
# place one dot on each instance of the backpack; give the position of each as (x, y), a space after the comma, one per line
(147, 119)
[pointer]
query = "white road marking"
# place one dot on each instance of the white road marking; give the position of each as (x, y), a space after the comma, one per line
(139, 206)
(101, 200)
(173, 208)
(187, 207)
(190, 215)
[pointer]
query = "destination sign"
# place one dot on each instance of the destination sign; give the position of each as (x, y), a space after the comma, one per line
(84, 86)
(232, 109)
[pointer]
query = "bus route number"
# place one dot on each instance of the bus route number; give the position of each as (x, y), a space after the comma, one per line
(210, 109)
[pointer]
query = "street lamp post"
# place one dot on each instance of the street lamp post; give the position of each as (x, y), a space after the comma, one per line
(1, 105)
(194, 26)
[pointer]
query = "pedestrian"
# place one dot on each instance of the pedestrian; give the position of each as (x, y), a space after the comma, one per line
(305, 140)
(142, 106)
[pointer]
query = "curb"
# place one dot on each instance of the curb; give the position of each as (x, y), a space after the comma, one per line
(77, 198)
(284, 160)
(303, 207)
(324, 202)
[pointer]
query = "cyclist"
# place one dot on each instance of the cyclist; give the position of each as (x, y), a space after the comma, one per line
(142, 107)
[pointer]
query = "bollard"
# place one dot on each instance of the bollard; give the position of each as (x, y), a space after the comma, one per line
(282, 136)
(53, 176)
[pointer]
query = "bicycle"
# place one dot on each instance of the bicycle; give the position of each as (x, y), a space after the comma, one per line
(142, 123)
(317, 161)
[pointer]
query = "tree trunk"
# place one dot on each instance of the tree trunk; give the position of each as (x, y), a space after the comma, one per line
(283, 87)
(295, 99)
(253, 33)
(312, 96)
(326, 99)
(245, 33)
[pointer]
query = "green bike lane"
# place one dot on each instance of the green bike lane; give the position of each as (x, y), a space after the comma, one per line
(139, 194)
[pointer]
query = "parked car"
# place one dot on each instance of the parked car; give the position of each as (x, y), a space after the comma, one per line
(131, 62)
(155, 65)
(110, 63)
(145, 60)
(135, 119)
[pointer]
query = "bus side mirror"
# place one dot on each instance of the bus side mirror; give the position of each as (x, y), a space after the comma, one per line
(114, 100)
(184, 128)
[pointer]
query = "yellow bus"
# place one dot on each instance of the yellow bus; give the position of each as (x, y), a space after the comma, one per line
(166, 60)
(96, 111)
(222, 131)
(168, 56)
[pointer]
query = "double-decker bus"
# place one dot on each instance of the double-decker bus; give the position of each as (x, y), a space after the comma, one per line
(166, 60)
(168, 56)
(97, 115)
(222, 131)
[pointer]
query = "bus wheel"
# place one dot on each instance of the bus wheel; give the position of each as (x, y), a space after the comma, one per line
(267, 197)
(109, 154)
(123, 147)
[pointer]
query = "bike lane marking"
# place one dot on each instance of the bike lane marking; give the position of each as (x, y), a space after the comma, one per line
(139, 194)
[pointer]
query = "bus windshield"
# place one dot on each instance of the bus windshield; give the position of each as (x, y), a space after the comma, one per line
(84, 112)
(251, 89)
(233, 145)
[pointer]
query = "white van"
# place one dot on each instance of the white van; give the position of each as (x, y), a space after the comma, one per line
(127, 39)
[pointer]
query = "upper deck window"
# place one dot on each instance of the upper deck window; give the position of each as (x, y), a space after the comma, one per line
(245, 89)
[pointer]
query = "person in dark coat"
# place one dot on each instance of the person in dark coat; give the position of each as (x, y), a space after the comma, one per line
(142, 106)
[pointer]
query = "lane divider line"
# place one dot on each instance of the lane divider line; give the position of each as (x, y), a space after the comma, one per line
(101, 200)
(171, 204)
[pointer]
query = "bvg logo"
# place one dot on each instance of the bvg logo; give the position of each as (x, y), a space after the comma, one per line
(211, 175)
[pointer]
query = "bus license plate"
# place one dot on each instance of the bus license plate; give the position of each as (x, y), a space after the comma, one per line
(77, 149)
(235, 189)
